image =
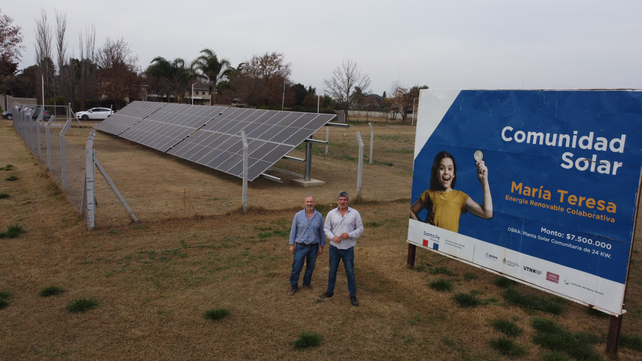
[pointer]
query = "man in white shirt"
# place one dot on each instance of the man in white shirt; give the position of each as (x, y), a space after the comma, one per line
(343, 226)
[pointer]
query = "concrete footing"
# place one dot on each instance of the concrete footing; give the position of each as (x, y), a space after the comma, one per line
(305, 184)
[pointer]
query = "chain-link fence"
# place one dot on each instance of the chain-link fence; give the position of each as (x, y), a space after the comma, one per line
(46, 140)
(160, 186)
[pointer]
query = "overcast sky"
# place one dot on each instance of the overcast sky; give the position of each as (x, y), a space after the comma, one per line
(465, 44)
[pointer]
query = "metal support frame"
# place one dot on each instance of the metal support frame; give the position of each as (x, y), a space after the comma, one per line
(371, 142)
(308, 157)
(327, 140)
(63, 167)
(285, 171)
(90, 181)
(246, 161)
(271, 177)
(28, 130)
(38, 124)
(113, 188)
(293, 158)
(308, 161)
(360, 170)
(331, 124)
(310, 140)
(71, 115)
(48, 137)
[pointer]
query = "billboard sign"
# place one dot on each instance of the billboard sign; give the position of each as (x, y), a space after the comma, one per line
(540, 186)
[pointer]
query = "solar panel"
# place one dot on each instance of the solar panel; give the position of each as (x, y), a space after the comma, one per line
(271, 135)
(169, 125)
(211, 135)
(119, 122)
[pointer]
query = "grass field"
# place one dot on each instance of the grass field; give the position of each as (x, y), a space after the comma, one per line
(155, 289)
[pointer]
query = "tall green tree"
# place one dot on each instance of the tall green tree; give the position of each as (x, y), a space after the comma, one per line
(169, 78)
(208, 66)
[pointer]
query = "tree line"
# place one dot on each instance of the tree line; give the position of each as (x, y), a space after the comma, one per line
(110, 75)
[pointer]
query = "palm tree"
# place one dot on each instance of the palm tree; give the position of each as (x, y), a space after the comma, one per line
(170, 78)
(209, 66)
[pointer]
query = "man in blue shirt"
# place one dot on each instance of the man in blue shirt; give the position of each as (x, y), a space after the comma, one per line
(307, 239)
(343, 226)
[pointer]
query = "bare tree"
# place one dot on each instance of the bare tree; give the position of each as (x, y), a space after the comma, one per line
(63, 84)
(345, 79)
(118, 71)
(61, 44)
(85, 69)
(44, 58)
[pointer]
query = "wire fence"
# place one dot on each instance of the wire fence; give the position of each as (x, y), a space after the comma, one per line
(46, 141)
(159, 186)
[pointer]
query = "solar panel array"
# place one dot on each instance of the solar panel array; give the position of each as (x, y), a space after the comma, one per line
(211, 135)
(128, 116)
(170, 124)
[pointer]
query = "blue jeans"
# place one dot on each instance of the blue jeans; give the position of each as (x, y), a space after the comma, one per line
(307, 254)
(337, 255)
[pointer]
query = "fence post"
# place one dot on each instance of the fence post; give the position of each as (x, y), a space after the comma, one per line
(28, 125)
(613, 338)
(360, 171)
(63, 167)
(412, 250)
(371, 142)
(327, 139)
(48, 136)
(246, 154)
(90, 180)
(113, 187)
(39, 142)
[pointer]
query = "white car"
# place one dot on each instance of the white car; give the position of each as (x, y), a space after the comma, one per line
(95, 114)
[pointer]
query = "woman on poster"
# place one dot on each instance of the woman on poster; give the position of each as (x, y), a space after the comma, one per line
(443, 203)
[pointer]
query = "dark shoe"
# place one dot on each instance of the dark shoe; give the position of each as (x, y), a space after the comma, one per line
(326, 295)
(308, 287)
(353, 300)
(292, 291)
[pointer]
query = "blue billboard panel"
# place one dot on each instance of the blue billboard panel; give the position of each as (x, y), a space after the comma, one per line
(541, 186)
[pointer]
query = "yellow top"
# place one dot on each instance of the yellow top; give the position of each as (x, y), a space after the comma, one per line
(444, 208)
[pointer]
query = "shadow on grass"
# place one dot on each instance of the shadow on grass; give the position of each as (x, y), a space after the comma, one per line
(532, 302)
(554, 338)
